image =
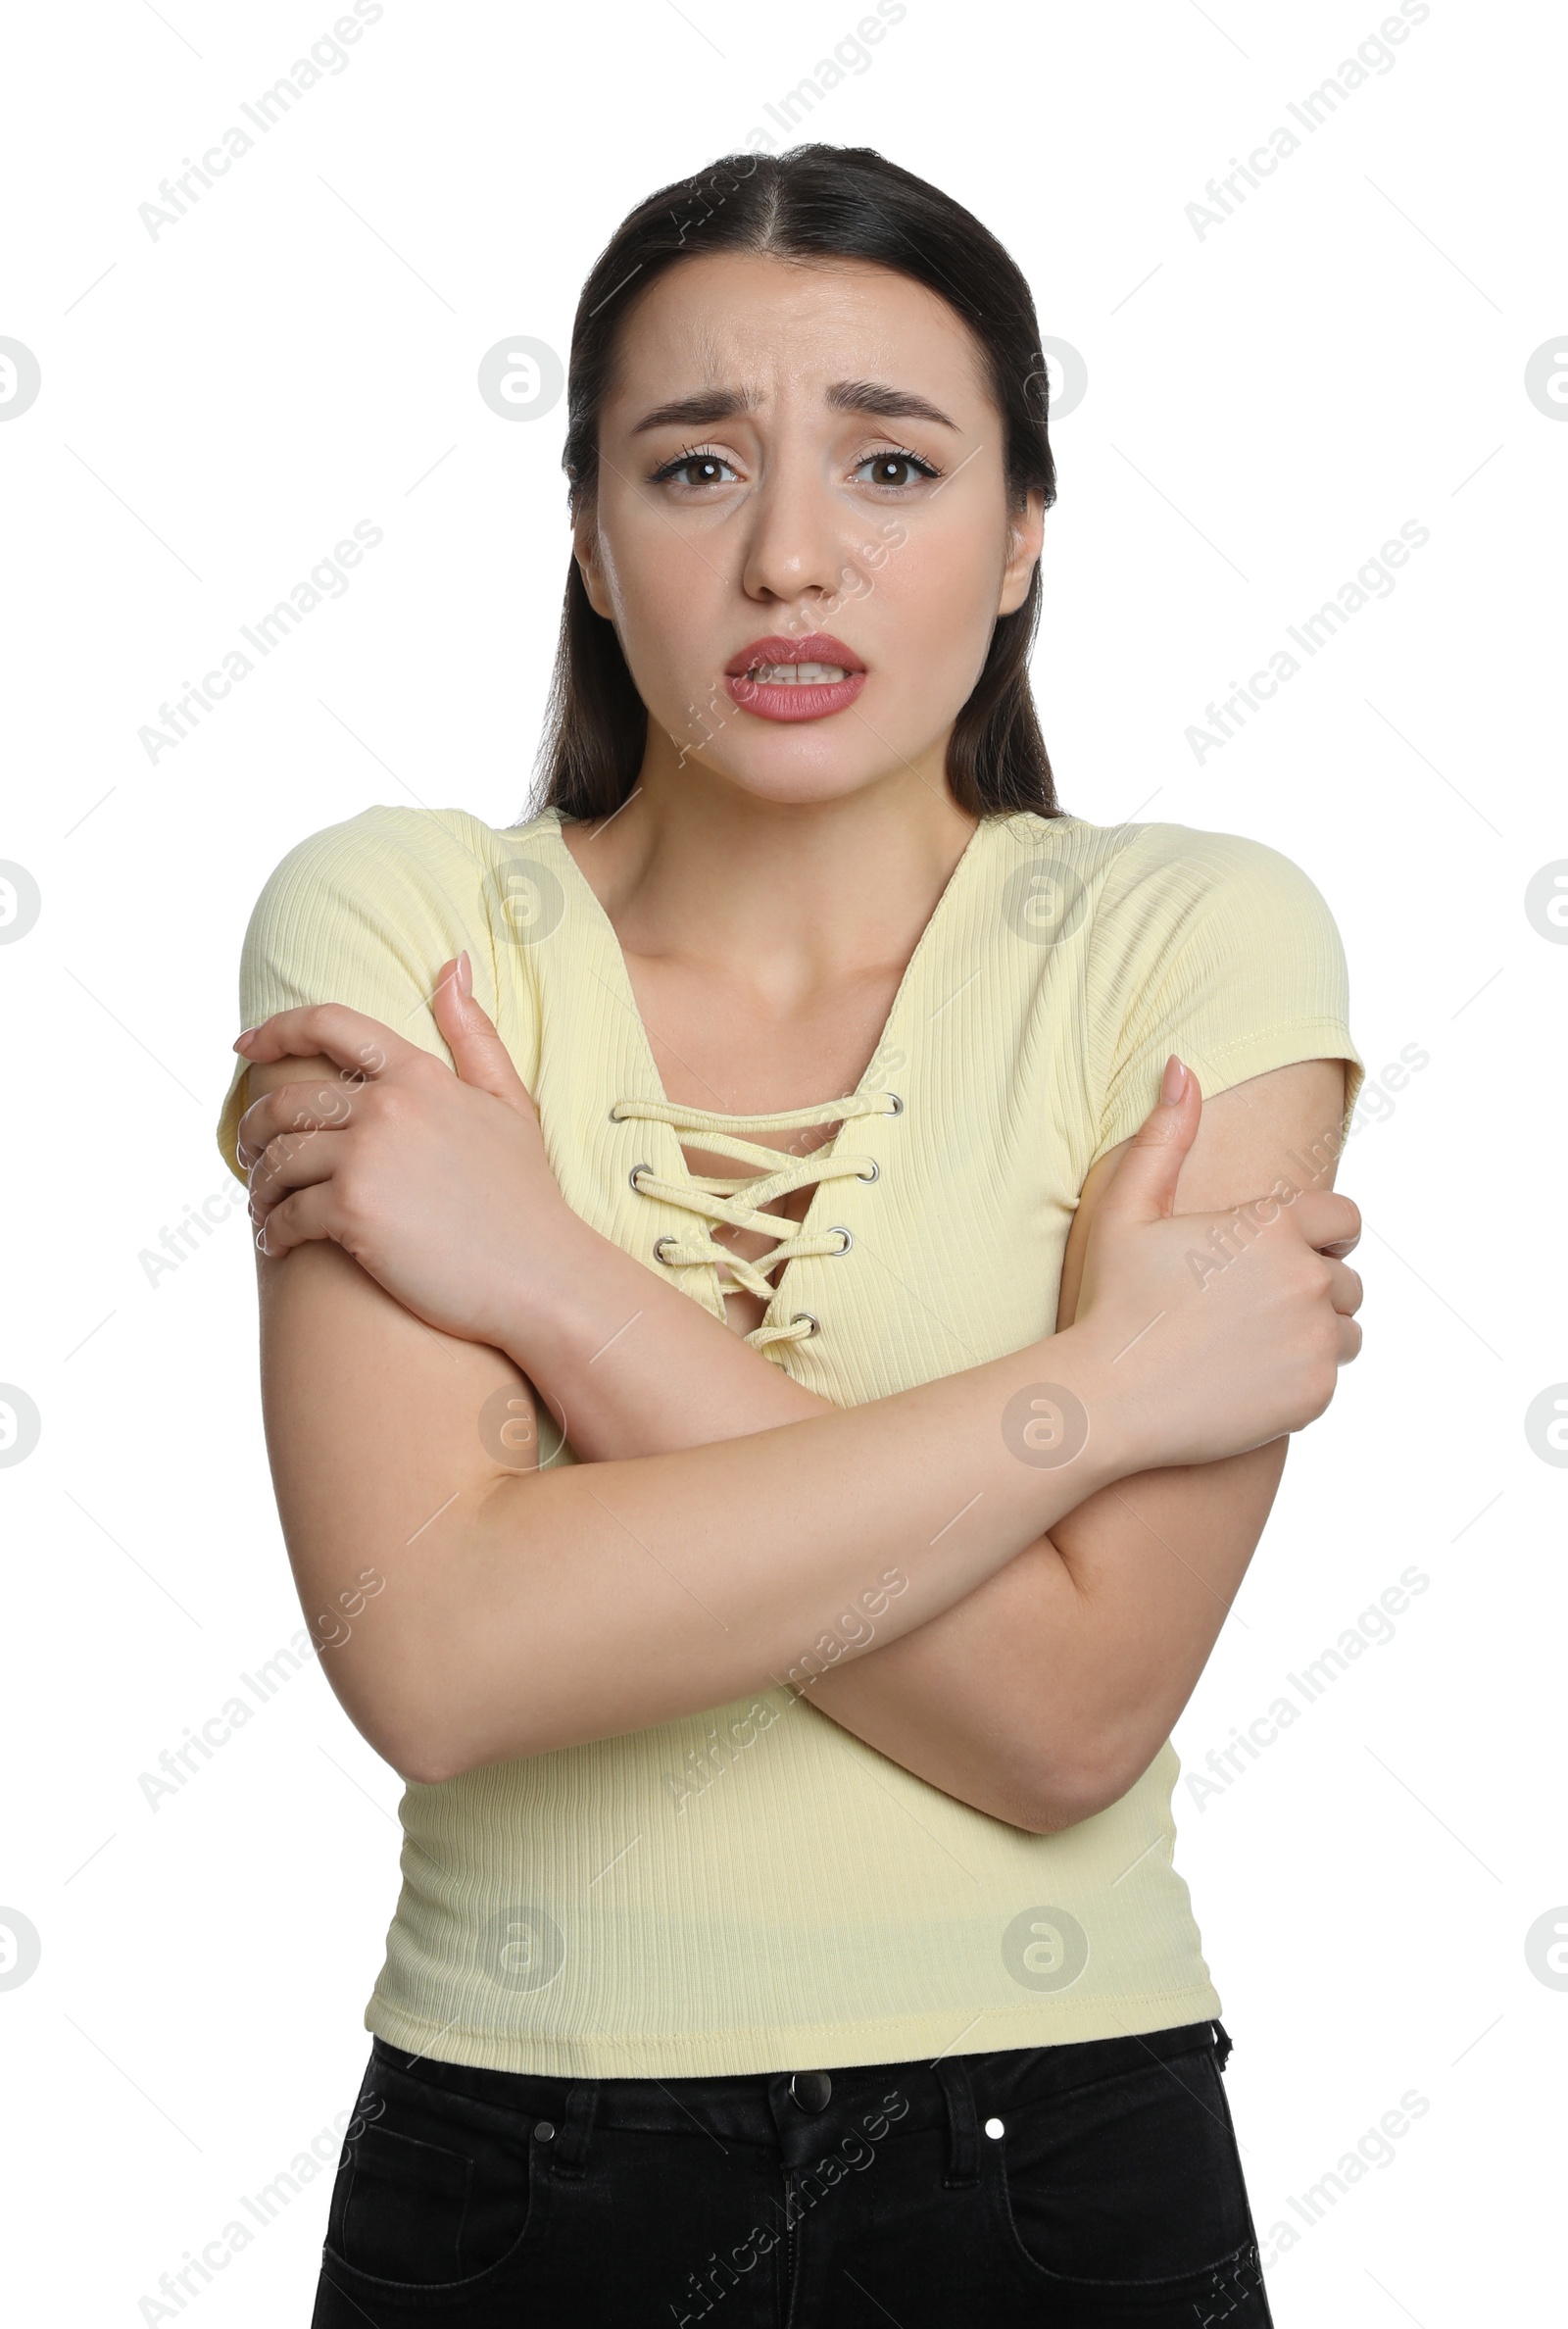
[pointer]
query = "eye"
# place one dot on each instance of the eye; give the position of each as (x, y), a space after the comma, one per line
(885, 465)
(694, 468)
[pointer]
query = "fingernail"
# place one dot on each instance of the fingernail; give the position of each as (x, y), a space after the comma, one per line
(240, 1041)
(1173, 1084)
(465, 973)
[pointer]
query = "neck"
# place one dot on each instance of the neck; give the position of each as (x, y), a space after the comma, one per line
(791, 895)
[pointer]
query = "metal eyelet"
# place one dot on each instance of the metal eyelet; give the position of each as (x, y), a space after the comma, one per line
(816, 1323)
(872, 1175)
(632, 1176)
(837, 1229)
(658, 1244)
(898, 1105)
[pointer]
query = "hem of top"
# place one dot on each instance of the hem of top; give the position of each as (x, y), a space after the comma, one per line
(1313, 1018)
(1262, 1044)
(818, 2046)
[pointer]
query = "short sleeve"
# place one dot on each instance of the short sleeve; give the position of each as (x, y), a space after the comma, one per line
(1221, 949)
(366, 913)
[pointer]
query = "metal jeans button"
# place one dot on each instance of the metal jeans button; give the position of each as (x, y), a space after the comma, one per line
(810, 2090)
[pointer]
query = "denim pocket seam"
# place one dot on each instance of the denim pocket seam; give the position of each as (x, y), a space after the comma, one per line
(373, 2136)
(1169, 2287)
(1089, 2086)
(352, 2277)
(336, 2267)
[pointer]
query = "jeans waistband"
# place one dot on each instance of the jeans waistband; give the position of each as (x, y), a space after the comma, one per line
(789, 2112)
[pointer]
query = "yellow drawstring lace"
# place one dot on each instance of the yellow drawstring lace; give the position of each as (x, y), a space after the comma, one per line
(739, 1200)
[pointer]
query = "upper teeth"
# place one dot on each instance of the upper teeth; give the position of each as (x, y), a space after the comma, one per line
(786, 675)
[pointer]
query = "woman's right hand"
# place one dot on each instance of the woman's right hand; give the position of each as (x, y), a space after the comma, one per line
(438, 1183)
(1218, 1331)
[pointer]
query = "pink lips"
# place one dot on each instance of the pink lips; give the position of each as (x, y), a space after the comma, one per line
(784, 700)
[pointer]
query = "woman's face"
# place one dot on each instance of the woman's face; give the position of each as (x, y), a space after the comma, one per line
(801, 474)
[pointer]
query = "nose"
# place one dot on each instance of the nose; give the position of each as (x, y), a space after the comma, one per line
(795, 547)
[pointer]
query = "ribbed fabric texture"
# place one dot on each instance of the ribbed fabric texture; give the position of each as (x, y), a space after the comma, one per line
(753, 1888)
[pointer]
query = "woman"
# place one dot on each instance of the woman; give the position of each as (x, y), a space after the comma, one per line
(763, 1454)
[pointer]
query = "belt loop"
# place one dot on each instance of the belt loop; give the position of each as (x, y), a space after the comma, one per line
(1222, 2045)
(952, 2076)
(569, 2151)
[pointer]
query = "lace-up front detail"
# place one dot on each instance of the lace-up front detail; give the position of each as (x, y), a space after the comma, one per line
(739, 1200)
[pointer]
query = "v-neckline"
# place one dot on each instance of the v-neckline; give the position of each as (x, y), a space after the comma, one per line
(940, 917)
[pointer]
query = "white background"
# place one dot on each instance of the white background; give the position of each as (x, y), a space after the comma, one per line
(1266, 404)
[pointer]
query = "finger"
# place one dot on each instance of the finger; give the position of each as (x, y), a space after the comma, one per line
(294, 1107)
(331, 1030)
(1143, 1187)
(480, 1057)
(1326, 1220)
(1346, 1289)
(302, 1218)
(294, 1161)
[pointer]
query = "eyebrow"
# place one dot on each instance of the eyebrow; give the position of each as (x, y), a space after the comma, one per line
(875, 397)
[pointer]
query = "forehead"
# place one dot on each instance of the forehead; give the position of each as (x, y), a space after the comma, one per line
(783, 328)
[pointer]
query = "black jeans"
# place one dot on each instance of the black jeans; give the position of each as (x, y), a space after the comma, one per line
(1059, 2185)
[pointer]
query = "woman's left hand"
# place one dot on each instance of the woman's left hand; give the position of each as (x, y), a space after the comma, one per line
(437, 1183)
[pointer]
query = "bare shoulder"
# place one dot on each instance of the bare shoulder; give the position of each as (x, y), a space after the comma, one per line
(1248, 1136)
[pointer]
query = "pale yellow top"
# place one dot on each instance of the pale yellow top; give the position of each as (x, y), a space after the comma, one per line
(755, 1888)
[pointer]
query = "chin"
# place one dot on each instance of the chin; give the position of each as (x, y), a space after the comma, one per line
(801, 775)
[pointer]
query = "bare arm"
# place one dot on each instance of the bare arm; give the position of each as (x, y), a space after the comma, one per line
(524, 1610)
(1043, 1695)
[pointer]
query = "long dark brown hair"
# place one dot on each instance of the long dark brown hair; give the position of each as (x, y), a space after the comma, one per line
(812, 202)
